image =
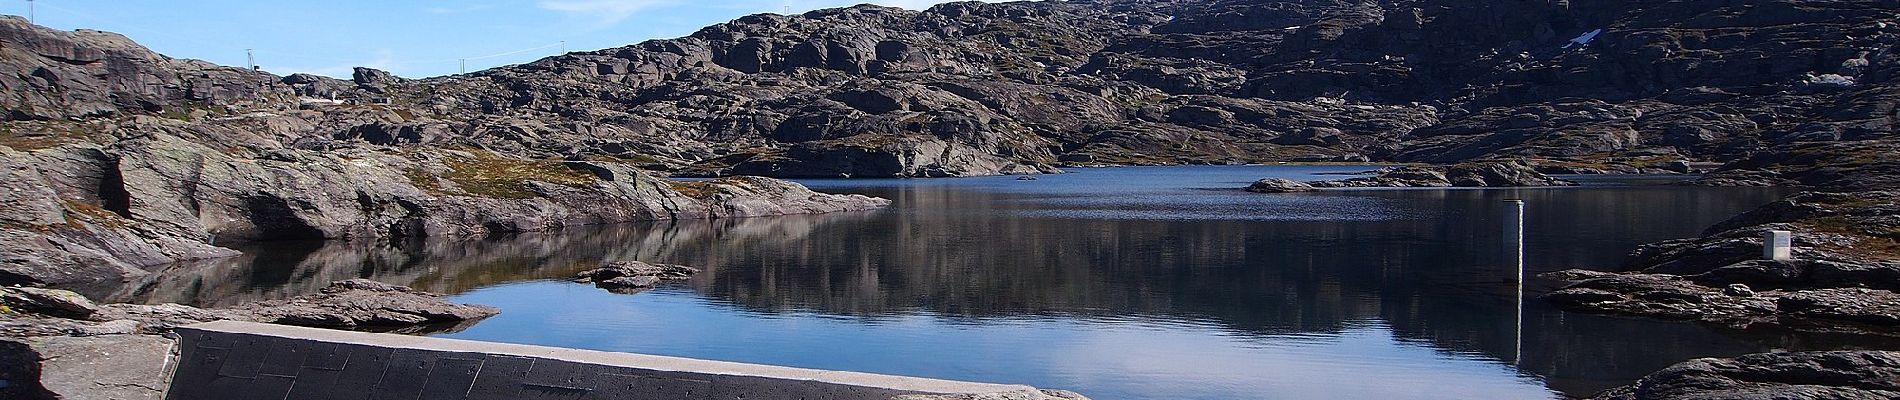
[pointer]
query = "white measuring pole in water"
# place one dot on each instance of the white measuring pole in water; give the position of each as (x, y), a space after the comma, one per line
(1778, 245)
(1514, 251)
(1514, 235)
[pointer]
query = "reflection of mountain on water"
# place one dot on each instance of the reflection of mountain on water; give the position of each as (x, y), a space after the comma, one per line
(1435, 279)
(288, 269)
(1430, 270)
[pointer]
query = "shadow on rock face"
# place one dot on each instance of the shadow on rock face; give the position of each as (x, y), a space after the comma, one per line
(20, 373)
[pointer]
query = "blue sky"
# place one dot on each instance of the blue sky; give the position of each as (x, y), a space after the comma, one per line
(410, 38)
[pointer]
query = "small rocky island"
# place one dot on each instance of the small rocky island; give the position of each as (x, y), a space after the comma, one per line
(629, 277)
(1465, 175)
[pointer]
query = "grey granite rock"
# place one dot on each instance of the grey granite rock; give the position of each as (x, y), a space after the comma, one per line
(1845, 375)
(1470, 175)
(1279, 185)
(629, 277)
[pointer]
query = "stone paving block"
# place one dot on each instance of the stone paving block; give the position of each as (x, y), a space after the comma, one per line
(362, 371)
(646, 386)
(329, 356)
(531, 391)
(408, 371)
(245, 357)
(286, 357)
(263, 387)
(215, 340)
(197, 366)
(500, 377)
(559, 374)
(319, 384)
(451, 378)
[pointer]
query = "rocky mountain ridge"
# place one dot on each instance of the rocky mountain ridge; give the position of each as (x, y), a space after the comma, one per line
(121, 157)
(978, 88)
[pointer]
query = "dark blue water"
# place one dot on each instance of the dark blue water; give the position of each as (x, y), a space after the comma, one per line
(1122, 283)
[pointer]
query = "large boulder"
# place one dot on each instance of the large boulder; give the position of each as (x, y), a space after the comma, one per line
(53, 302)
(118, 367)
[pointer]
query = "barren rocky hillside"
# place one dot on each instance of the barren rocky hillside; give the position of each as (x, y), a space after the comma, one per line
(116, 157)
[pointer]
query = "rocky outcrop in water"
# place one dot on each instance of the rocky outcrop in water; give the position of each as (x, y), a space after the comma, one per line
(1280, 185)
(1808, 375)
(1470, 175)
(353, 304)
(1842, 278)
(628, 277)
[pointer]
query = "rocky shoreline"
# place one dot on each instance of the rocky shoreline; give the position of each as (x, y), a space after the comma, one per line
(1841, 278)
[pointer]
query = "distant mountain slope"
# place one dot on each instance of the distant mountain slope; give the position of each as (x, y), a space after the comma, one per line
(975, 88)
(978, 88)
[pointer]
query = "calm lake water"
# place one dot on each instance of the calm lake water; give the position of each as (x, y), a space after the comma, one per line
(1120, 283)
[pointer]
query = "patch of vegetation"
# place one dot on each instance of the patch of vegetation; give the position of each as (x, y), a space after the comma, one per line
(423, 180)
(94, 214)
(30, 136)
(630, 158)
(869, 141)
(183, 111)
(706, 189)
(489, 175)
(1869, 241)
(702, 190)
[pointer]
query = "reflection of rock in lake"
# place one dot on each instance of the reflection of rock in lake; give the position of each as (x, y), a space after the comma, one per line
(970, 256)
(288, 269)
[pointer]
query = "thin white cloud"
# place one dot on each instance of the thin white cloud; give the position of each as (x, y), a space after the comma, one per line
(608, 12)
